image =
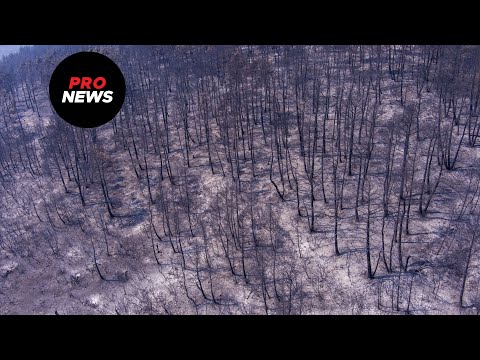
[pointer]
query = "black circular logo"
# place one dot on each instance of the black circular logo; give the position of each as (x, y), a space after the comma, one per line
(87, 89)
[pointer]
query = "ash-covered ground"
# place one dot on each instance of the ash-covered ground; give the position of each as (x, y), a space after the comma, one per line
(246, 180)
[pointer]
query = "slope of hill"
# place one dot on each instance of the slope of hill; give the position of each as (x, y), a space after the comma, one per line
(8, 49)
(246, 180)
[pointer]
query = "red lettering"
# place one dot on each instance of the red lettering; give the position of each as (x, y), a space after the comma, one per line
(97, 80)
(86, 82)
(73, 82)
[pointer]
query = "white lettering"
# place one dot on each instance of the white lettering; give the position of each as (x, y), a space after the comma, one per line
(107, 96)
(68, 96)
(79, 96)
(94, 95)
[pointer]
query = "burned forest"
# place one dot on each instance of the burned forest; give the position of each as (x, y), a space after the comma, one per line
(246, 180)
